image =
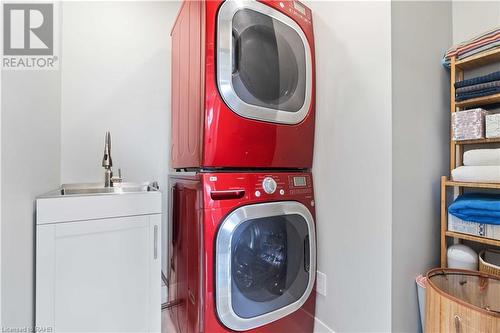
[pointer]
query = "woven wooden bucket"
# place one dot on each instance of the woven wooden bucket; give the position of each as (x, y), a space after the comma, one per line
(462, 301)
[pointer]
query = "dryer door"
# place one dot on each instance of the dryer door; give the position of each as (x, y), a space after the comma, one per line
(265, 263)
(264, 69)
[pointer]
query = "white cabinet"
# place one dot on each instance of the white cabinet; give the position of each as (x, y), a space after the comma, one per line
(101, 274)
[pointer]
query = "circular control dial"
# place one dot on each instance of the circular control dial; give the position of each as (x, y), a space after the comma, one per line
(269, 185)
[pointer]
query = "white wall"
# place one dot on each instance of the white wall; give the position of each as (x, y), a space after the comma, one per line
(471, 18)
(352, 169)
(421, 33)
(30, 166)
(116, 77)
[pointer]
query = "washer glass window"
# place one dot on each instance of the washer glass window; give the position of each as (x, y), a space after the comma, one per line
(265, 263)
(268, 268)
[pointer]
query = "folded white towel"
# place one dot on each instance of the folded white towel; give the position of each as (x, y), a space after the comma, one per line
(479, 174)
(477, 157)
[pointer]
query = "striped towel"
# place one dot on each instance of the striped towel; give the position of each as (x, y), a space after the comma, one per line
(484, 48)
(477, 44)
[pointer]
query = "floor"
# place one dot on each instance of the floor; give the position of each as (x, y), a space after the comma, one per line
(166, 324)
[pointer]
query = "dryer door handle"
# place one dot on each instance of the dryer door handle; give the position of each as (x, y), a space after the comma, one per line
(307, 254)
(236, 51)
(227, 194)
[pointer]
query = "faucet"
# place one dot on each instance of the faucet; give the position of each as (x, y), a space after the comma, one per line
(107, 164)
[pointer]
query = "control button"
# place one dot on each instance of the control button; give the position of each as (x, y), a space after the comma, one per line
(282, 191)
(269, 185)
(312, 203)
(257, 194)
(282, 5)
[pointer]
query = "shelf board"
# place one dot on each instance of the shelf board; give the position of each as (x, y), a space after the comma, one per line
(480, 59)
(472, 185)
(477, 141)
(479, 101)
(477, 239)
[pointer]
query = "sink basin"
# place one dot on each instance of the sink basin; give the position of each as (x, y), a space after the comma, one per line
(98, 189)
(88, 202)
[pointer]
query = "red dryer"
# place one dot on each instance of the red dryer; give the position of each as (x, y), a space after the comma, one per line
(243, 85)
(242, 253)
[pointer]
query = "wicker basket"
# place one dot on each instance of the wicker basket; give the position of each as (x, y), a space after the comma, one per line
(462, 301)
(487, 267)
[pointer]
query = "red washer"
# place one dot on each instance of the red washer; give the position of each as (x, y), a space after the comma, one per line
(242, 252)
(243, 85)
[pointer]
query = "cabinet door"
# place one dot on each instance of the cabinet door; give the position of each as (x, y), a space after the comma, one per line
(99, 276)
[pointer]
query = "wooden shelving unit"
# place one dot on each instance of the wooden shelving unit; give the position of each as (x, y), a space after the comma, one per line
(456, 147)
(480, 59)
(477, 141)
(444, 216)
(473, 238)
(480, 101)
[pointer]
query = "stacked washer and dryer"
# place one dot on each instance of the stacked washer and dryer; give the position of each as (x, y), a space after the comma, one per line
(242, 243)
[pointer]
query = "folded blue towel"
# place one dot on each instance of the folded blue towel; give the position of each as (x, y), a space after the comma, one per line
(478, 93)
(477, 207)
(477, 80)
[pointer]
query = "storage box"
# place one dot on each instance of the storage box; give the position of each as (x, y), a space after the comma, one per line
(468, 125)
(493, 125)
(473, 228)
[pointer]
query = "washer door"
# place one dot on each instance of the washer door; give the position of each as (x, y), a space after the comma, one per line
(265, 263)
(263, 63)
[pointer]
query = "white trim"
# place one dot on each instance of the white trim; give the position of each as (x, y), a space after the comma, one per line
(321, 327)
(1, 323)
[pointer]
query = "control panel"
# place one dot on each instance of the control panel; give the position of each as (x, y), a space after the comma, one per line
(300, 184)
(274, 186)
(279, 185)
(296, 10)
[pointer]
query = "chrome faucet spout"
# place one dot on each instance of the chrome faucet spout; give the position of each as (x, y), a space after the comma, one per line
(107, 162)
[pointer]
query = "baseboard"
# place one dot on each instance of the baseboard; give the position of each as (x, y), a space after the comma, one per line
(320, 327)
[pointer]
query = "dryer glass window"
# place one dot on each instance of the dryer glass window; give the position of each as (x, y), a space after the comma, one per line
(268, 65)
(269, 264)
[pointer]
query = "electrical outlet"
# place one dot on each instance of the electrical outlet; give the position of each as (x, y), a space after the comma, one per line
(321, 283)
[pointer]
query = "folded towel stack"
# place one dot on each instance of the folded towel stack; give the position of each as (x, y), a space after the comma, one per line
(478, 87)
(480, 165)
(477, 207)
(486, 41)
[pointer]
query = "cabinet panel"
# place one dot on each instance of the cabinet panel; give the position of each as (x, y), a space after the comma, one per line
(186, 258)
(99, 276)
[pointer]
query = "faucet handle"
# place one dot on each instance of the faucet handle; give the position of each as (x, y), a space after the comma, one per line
(118, 179)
